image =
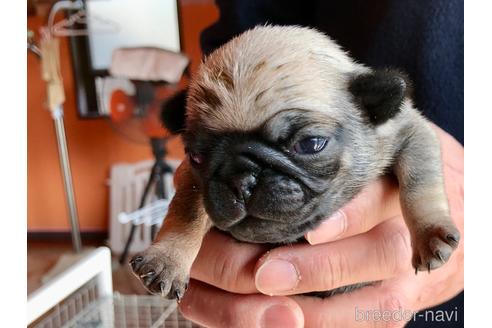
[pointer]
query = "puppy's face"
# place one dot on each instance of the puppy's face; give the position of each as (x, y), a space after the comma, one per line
(274, 135)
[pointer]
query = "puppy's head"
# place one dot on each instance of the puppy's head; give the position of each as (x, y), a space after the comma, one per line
(278, 130)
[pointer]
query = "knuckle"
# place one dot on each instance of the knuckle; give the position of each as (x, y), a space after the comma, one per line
(323, 319)
(360, 223)
(353, 212)
(227, 317)
(194, 309)
(390, 302)
(394, 251)
(225, 273)
(393, 304)
(236, 315)
(358, 216)
(188, 306)
(337, 267)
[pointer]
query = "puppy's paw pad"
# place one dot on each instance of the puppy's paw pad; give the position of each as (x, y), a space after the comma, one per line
(434, 247)
(161, 273)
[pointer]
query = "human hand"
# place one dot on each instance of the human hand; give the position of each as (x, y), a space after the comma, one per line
(366, 241)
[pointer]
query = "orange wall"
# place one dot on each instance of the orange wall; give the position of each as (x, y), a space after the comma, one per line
(93, 146)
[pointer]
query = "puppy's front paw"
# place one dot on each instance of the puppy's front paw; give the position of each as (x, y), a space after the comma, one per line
(434, 246)
(161, 272)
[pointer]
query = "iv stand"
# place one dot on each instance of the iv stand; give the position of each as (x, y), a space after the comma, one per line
(49, 54)
(61, 139)
(50, 59)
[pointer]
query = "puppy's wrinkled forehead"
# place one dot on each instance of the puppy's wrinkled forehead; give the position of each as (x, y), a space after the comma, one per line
(265, 70)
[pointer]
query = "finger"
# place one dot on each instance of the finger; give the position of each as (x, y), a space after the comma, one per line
(300, 268)
(372, 306)
(375, 203)
(212, 307)
(227, 263)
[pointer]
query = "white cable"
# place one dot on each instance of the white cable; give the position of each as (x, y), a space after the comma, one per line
(64, 4)
(150, 214)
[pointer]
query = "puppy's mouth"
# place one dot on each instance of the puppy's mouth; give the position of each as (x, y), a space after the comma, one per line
(259, 218)
(227, 225)
(249, 215)
(278, 210)
(256, 230)
(227, 213)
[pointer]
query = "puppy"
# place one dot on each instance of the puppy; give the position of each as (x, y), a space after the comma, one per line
(283, 129)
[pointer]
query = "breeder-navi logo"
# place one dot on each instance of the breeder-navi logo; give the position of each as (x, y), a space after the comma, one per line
(406, 315)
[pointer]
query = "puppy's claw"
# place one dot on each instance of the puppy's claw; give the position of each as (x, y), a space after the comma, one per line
(429, 267)
(439, 256)
(148, 274)
(452, 239)
(163, 287)
(135, 262)
(137, 259)
(178, 294)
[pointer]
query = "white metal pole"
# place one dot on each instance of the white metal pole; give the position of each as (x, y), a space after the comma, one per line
(57, 115)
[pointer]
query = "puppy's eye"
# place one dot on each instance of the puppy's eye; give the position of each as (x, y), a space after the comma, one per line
(196, 158)
(310, 145)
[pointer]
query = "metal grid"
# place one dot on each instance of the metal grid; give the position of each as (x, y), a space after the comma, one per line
(65, 311)
(84, 309)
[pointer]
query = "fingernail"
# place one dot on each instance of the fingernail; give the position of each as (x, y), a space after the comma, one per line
(279, 316)
(276, 276)
(328, 230)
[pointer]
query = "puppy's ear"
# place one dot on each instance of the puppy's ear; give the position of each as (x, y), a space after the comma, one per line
(380, 93)
(173, 112)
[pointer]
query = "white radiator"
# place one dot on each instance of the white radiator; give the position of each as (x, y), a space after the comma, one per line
(127, 183)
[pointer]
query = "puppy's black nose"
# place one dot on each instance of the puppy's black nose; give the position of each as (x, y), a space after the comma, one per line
(243, 185)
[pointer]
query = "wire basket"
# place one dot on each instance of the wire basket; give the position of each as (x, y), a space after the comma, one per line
(84, 310)
(82, 297)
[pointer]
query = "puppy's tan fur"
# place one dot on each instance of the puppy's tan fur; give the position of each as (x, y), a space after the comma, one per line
(243, 83)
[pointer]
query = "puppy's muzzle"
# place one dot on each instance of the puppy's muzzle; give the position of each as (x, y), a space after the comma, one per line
(254, 181)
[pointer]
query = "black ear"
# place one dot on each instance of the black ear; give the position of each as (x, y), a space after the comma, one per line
(380, 93)
(173, 112)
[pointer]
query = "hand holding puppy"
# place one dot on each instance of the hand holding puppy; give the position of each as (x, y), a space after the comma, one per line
(371, 242)
(283, 130)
